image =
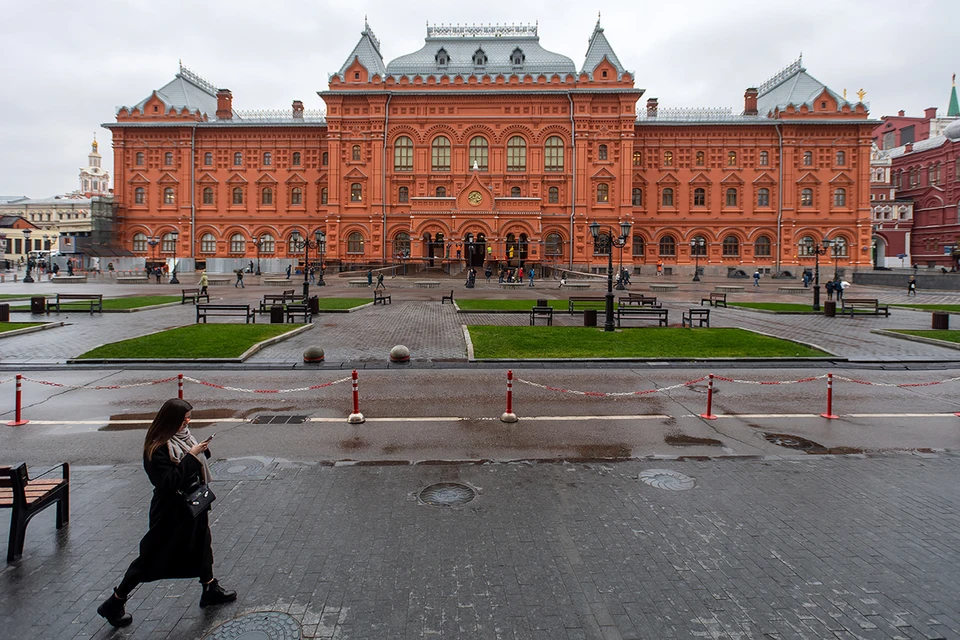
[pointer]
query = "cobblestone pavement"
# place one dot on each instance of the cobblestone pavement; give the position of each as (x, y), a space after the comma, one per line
(814, 547)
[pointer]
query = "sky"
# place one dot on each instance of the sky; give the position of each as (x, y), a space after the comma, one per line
(68, 65)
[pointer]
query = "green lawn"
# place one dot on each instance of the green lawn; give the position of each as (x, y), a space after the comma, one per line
(192, 341)
(342, 303)
(514, 305)
(931, 307)
(14, 296)
(644, 342)
(789, 307)
(13, 326)
(935, 334)
(113, 304)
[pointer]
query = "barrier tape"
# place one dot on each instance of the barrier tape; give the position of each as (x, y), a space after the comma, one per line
(612, 394)
(242, 390)
(98, 387)
(770, 382)
(903, 385)
(6, 380)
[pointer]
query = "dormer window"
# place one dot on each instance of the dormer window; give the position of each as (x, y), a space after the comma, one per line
(517, 57)
(479, 58)
(443, 58)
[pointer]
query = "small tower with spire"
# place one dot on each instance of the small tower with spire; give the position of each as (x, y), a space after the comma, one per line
(954, 109)
(94, 181)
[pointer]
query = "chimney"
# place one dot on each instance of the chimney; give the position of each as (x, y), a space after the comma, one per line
(750, 102)
(652, 108)
(224, 104)
(298, 109)
(909, 147)
(930, 113)
(901, 113)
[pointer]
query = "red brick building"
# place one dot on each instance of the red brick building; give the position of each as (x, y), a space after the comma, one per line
(484, 146)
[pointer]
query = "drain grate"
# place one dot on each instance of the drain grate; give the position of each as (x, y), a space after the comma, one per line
(264, 419)
(447, 494)
(262, 625)
(667, 479)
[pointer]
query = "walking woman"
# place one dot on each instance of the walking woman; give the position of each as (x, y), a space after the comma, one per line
(178, 545)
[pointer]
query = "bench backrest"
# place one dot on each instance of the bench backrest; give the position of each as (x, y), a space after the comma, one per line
(80, 296)
(718, 295)
(15, 478)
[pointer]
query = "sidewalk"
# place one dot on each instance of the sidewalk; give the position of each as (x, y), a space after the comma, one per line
(818, 547)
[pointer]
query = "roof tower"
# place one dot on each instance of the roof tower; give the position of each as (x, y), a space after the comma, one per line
(367, 53)
(597, 50)
(954, 108)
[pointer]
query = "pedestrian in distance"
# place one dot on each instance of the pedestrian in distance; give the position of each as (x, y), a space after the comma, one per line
(756, 278)
(563, 279)
(502, 275)
(313, 275)
(289, 268)
(177, 544)
(659, 267)
(369, 277)
(912, 287)
(56, 269)
(531, 276)
(829, 287)
(204, 283)
(380, 284)
(239, 282)
(158, 272)
(838, 287)
(488, 272)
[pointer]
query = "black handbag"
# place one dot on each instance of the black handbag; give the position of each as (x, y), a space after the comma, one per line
(198, 498)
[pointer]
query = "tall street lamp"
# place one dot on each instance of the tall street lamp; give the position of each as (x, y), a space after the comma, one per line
(258, 241)
(621, 285)
(321, 241)
(173, 272)
(607, 241)
(306, 245)
(26, 241)
(697, 247)
(817, 249)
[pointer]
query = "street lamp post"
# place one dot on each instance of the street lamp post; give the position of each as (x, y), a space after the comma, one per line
(696, 246)
(173, 272)
(319, 242)
(621, 285)
(817, 249)
(608, 241)
(26, 241)
(258, 240)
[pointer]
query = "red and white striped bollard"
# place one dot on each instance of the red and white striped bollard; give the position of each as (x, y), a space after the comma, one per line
(509, 415)
(19, 418)
(356, 417)
(829, 413)
(709, 414)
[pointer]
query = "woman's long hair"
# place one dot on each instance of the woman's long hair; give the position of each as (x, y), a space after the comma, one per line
(167, 422)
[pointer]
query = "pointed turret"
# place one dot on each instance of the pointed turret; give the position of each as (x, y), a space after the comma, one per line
(366, 53)
(954, 109)
(597, 50)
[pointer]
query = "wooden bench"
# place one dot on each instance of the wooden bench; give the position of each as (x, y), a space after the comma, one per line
(864, 306)
(700, 316)
(641, 313)
(28, 497)
(238, 310)
(541, 312)
(271, 299)
(444, 299)
(193, 295)
(299, 309)
(573, 300)
(638, 298)
(380, 298)
(95, 300)
(715, 300)
(133, 280)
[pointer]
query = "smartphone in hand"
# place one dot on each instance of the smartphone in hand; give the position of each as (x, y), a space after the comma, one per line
(210, 437)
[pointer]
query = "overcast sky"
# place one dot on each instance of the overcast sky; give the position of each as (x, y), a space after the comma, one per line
(68, 64)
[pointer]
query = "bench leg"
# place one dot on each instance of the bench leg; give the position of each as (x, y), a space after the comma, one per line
(18, 531)
(63, 510)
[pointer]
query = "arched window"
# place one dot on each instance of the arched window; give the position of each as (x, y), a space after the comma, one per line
(167, 243)
(324, 195)
(553, 245)
(805, 246)
(294, 245)
(139, 242)
(238, 195)
(479, 153)
(401, 244)
(356, 192)
(479, 58)
(296, 158)
(441, 192)
(296, 195)
(267, 243)
(840, 197)
(806, 198)
(668, 197)
(267, 158)
(237, 159)
(731, 197)
(517, 57)
(763, 197)
(168, 158)
(732, 159)
(603, 192)
(731, 247)
(602, 152)
(139, 158)
(636, 197)
(761, 248)
(698, 246)
(208, 243)
(440, 154)
(699, 197)
(442, 58)
(516, 154)
(553, 154)
(139, 195)
(208, 159)
(668, 246)
(355, 243)
(237, 243)
(169, 196)
(808, 158)
(403, 194)
(515, 192)
(764, 159)
(841, 158)
(553, 195)
(839, 247)
(208, 195)
(639, 246)
(700, 159)
(266, 196)
(668, 158)
(355, 153)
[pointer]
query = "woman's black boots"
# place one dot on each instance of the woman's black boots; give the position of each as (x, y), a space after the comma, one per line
(113, 610)
(213, 594)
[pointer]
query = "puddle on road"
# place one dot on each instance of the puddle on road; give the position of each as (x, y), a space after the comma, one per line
(807, 446)
(196, 414)
(691, 441)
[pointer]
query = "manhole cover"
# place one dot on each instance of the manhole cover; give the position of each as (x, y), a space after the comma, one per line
(279, 419)
(245, 467)
(263, 625)
(791, 442)
(667, 479)
(447, 494)
(702, 388)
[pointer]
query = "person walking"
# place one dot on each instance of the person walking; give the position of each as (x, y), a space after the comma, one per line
(204, 283)
(380, 284)
(659, 267)
(158, 273)
(912, 287)
(502, 275)
(829, 288)
(838, 288)
(531, 276)
(289, 268)
(313, 275)
(239, 282)
(177, 543)
(488, 272)
(563, 279)
(756, 278)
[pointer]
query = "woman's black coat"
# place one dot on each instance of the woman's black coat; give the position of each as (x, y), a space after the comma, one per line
(177, 544)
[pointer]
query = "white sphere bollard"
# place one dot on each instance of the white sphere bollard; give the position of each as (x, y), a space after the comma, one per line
(400, 354)
(313, 354)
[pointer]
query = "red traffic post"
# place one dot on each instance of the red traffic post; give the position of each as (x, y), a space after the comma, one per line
(356, 417)
(509, 415)
(19, 413)
(180, 386)
(829, 413)
(709, 414)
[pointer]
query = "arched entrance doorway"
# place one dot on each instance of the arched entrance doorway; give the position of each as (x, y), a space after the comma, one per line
(879, 251)
(516, 249)
(475, 249)
(432, 248)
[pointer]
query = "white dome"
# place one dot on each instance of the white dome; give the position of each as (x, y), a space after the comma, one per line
(953, 131)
